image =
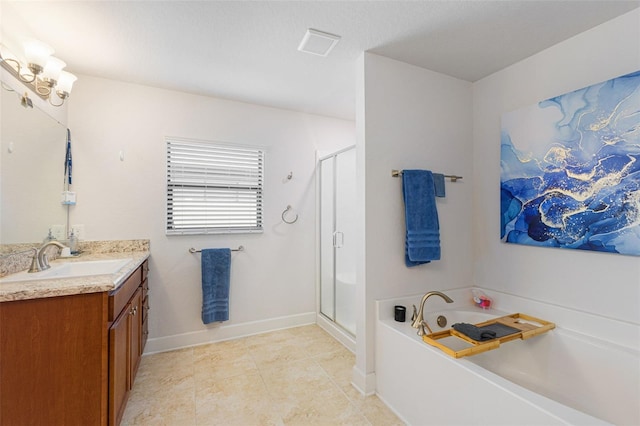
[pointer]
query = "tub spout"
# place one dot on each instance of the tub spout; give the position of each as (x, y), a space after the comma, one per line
(419, 322)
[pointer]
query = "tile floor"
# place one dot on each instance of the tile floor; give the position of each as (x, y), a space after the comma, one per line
(298, 376)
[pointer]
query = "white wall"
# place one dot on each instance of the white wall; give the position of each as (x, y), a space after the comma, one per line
(605, 284)
(408, 117)
(274, 277)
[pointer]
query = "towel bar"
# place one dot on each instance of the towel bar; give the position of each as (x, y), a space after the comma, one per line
(192, 250)
(454, 178)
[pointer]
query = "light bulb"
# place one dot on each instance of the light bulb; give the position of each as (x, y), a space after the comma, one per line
(65, 82)
(37, 53)
(52, 69)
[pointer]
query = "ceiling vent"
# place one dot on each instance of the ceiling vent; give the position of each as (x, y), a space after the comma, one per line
(318, 42)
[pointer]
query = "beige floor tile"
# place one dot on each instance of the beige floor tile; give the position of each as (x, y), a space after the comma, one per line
(241, 400)
(228, 345)
(353, 394)
(271, 339)
(277, 355)
(325, 405)
(259, 417)
(320, 343)
(311, 330)
(378, 413)
(298, 376)
(305, 329)
(325, 414)
(174, 360)
(303, 393)
(213, 362)
(162, 421)
(164, 408)
(159, 387)
(338, 365)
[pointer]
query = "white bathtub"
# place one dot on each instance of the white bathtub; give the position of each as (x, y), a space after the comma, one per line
(561, 377)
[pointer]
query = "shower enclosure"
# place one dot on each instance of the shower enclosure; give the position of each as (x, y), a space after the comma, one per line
(337, 200)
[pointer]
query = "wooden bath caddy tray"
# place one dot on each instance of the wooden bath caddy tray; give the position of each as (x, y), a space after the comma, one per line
(526, 326)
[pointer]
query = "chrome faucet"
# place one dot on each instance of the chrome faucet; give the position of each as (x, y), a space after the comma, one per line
(40, 262)
(419, 322)
(35, 266)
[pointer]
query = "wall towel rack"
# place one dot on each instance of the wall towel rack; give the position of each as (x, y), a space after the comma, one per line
(192, 250)
(454, 178)
(284, 213)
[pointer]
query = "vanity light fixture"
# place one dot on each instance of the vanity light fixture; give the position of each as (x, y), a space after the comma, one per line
(42, 72)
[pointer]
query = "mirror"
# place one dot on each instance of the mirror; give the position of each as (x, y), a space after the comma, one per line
(32, 155)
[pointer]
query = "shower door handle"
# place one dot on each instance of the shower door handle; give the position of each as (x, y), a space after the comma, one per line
(338, 239)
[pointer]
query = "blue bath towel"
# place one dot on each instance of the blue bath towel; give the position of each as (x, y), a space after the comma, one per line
(216, 272)
(421, 217)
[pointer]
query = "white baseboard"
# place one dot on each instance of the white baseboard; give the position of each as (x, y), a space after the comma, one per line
(364, 383)
(226, 332)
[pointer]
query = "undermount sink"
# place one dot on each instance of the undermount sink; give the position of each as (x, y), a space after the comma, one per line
(70, 270)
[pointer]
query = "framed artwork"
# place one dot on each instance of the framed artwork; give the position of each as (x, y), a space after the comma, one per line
(570, 170)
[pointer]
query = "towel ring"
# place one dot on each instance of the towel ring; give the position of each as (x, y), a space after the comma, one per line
(288, 221)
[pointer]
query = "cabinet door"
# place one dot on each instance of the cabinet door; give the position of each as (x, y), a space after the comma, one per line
(135, 333)
(145, 305)
(53, 361)
(119, 365)
(145, 315)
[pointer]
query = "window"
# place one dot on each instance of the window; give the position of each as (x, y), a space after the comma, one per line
(213, 187)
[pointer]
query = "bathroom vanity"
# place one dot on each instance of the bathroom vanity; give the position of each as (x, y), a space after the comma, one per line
(70, 348)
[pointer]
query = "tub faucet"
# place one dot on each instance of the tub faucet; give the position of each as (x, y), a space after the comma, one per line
(419, 322)
(40, 261)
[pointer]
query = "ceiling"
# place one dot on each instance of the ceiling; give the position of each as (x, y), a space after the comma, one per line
(247, 50)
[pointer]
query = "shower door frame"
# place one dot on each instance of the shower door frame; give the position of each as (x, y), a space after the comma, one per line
(334, 155)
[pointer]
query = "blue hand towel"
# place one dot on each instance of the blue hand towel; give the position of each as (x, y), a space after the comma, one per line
(216, 272)
(423, 229)
(438, 182)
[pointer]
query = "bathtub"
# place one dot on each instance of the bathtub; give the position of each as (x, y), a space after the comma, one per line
(560, 377)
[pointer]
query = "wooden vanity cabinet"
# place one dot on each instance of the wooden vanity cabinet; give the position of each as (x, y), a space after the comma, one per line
(72, 360)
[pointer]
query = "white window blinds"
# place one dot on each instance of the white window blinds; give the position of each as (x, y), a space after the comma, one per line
(213, 187)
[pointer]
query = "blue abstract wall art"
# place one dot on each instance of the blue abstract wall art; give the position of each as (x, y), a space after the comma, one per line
(570, 170)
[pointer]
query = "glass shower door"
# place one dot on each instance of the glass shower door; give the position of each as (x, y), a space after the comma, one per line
(337, 238)
(345, 248)
(327, 228)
